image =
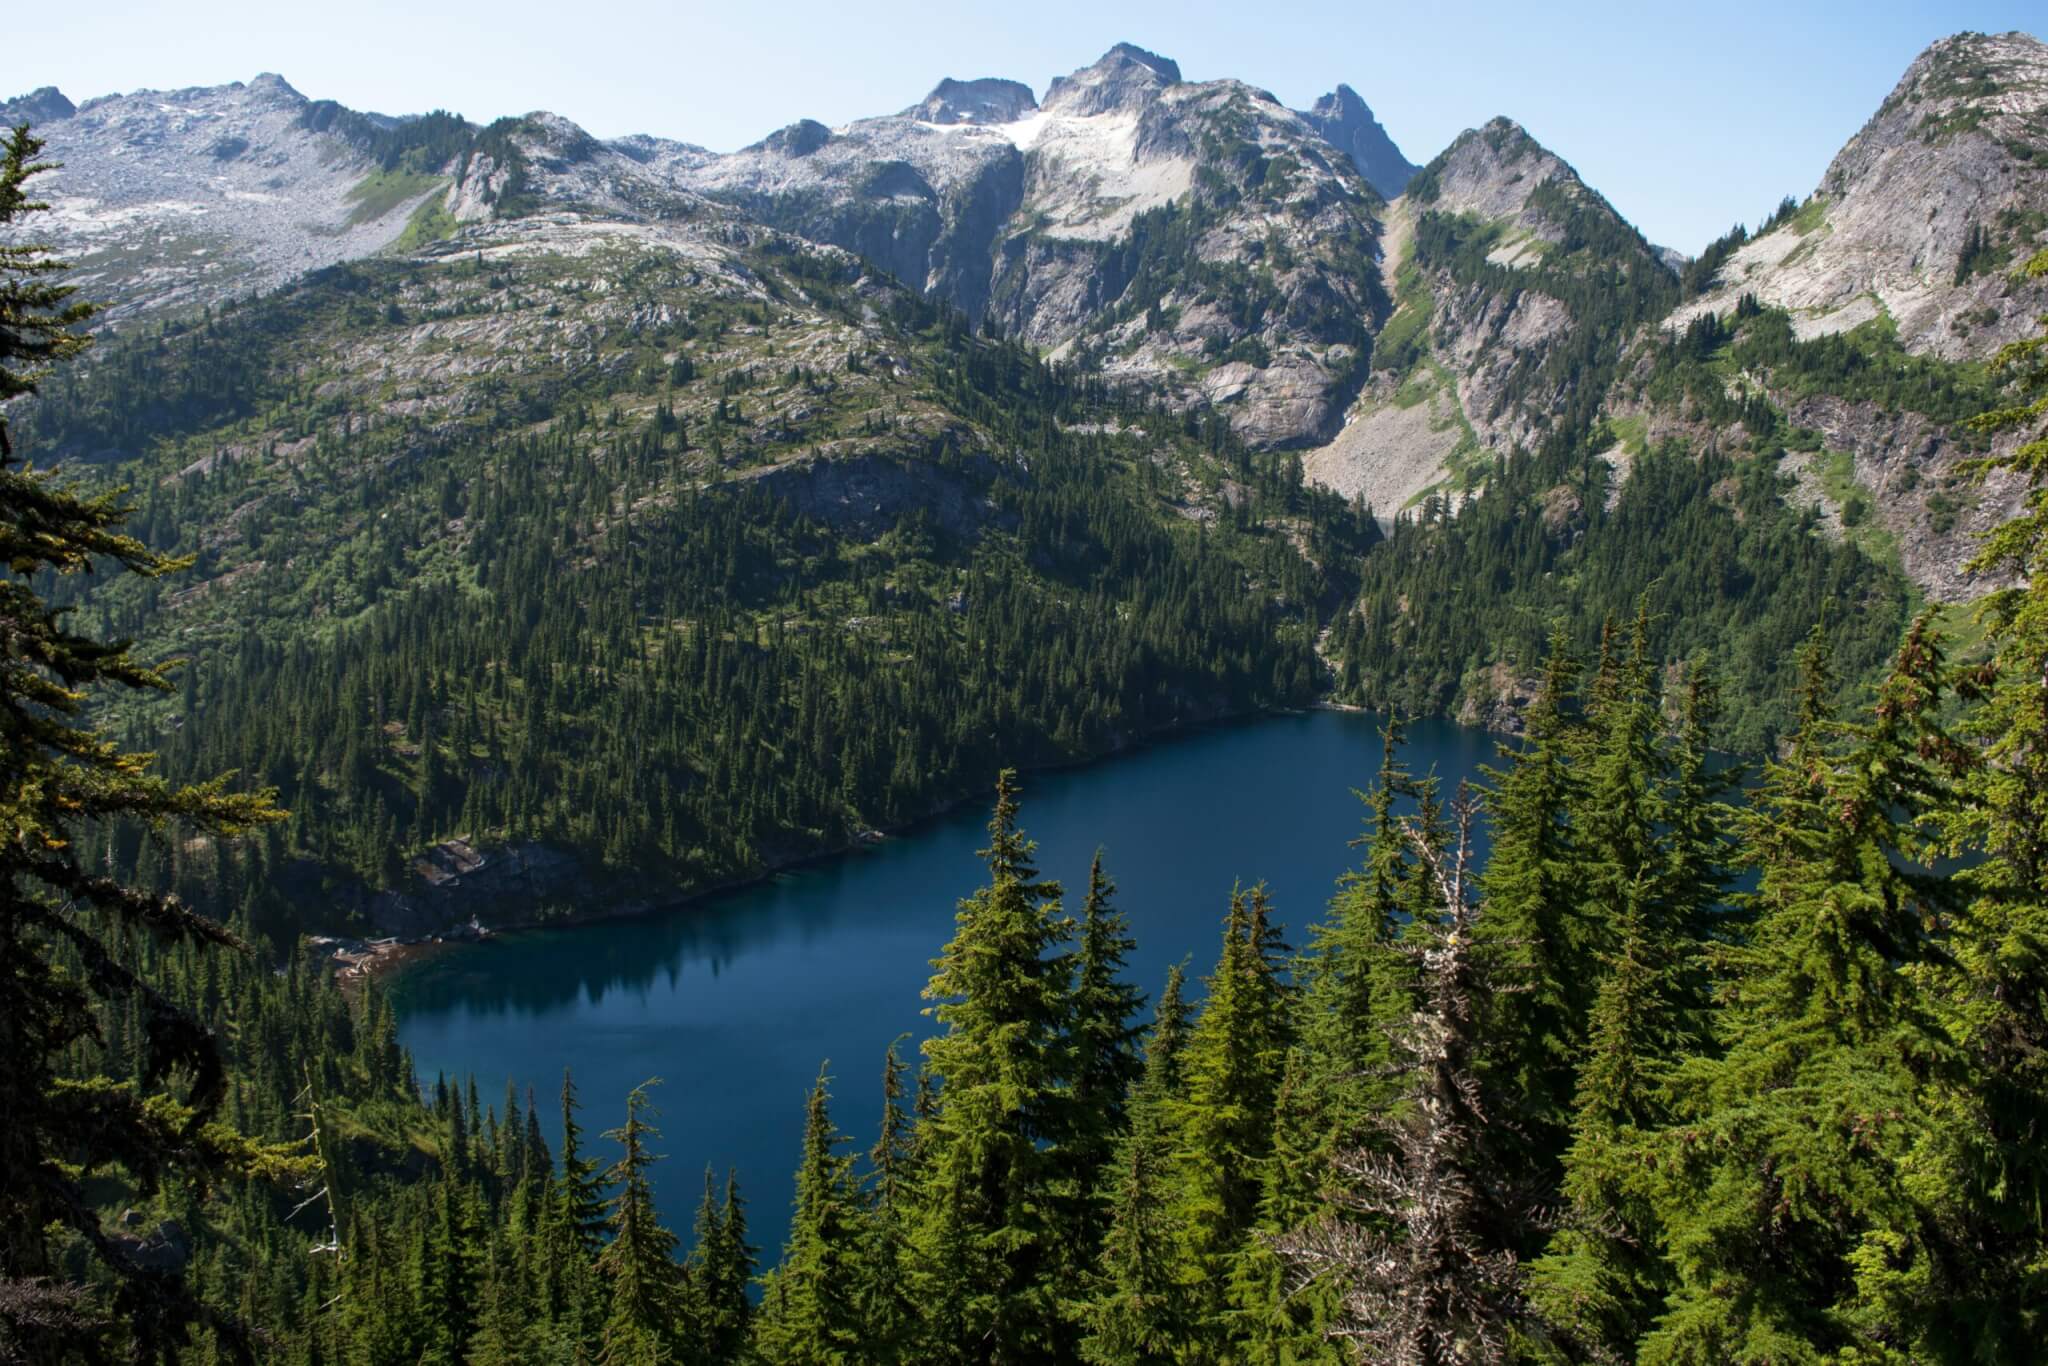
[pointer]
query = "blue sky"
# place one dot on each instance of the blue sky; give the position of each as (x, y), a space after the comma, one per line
(1688, 117)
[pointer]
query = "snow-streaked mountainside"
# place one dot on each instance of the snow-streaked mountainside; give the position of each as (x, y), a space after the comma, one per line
(1402, 327)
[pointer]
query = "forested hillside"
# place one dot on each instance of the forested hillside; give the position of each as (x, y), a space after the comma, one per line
(665, 569)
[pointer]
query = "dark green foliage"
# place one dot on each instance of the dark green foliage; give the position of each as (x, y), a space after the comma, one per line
(1781, 1163)
(1223, 1121)
(69, 933)
(811, 1301)
(637, 1264)
(1416, 1240)
(716, 683)
(1602, 1103)
(1104, 1064)
(1545, 926)
(985, 1260)
(1700, 534)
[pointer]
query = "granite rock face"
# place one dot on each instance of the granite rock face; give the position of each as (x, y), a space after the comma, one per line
(1923, 213)
(1431, 420)
(1126, 77)
(987, 100)
(1195, 236)
(1117, 221)
(1346, 122)
(172, 199)
(45, 105)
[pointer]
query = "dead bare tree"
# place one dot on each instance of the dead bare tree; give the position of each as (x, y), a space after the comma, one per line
(1416, 1240)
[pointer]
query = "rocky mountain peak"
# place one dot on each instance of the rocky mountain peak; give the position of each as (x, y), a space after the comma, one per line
(277, 87)
(1346, 122)
(1922, 215)
(45, 104)
(1125, 77)
(798, 139)
(560, 142)
(986, 100)
(1993, 87)
(1489, 171)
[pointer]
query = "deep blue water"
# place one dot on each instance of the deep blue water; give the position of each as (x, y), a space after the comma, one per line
(735, 1001)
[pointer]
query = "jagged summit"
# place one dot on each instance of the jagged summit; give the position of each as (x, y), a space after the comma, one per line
(270, 83)
(1347, 123)
(1489, 171)
(1125, 77)
(45, 104)
(1922, 214)
(989, 99)
(798, 139)
(1994, 86)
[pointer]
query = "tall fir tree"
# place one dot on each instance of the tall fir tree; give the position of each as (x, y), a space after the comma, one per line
(1352, 982)
(1419, 1248)
(984, 1260)
(1137, 1312)
(61, 784)
(1969, 1278)
(638, 1263)
(1783, 1153)
(724, 1269)
(1104, 1060)
(1603, 1279)
(887, 1312)
(815, 1318)
(1535, 899)
(1224, 1122)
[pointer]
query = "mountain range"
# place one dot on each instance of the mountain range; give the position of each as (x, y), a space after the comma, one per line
(330, 330)
(1198, 236)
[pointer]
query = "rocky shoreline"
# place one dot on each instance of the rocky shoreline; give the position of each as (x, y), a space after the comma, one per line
(358, 959)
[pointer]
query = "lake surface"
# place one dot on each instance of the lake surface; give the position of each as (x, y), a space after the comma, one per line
(735, 1001)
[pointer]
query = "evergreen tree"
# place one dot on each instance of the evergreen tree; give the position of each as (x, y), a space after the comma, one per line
(1353, 984)
(638, 1262)
(1536, 907)
(1604, 1279)
(1103, 1035)
(1138, 1312)
(1783, 1154)
(984, 1261)
(721, 1267)
(1968, 1280)
(1224, 1124)
(1419, 1247)
(1280, 1323)
(580, 1187)
(816, 1320)
(60, 782)
(887, 1314)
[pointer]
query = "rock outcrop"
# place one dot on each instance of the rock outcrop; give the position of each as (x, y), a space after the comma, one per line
(1195, 236)
(172, 199)
(1462, 373)
(987, 100)
(1921, 215)
(1125, 78)
(40, 106)
(1044, 220)
(1347, 123)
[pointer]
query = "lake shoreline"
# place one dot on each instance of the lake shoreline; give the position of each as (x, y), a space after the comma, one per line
(383, 959)
(738, 1000)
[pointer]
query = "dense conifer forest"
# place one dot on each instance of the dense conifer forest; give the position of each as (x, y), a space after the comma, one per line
(1705, 1063)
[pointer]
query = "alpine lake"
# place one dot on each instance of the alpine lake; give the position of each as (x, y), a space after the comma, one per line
(736, 1001)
